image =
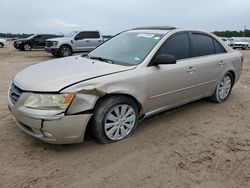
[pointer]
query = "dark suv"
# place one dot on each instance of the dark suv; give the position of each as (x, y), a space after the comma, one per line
(34, 41)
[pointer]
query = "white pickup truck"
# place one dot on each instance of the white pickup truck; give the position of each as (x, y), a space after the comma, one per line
(76, 41)
(241, 42)
(2, 43)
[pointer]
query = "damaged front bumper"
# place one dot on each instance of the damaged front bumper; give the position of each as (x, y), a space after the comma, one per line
(49, 126)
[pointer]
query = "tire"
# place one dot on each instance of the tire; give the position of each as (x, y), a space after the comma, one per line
(1, 45)
(65, 51)
(107, 126)
(55, 54)
(222, 91)
(27, 47)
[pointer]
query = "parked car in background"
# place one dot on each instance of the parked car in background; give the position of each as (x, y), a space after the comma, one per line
(228, 41)
(76, 41)
(134, 75)
(2, 43)
(241, 42)
(34, 41)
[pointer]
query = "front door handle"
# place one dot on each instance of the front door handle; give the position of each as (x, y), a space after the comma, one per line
(191, 69)
(221, 63)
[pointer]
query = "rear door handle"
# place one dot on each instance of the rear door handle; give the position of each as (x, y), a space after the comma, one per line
(191, 69)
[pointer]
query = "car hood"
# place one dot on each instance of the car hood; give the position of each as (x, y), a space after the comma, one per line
(21, 40)
(240, 42)
(54, 75)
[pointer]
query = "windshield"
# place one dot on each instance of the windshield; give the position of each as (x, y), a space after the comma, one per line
(30, 37)
(129, 48)
(71, 34)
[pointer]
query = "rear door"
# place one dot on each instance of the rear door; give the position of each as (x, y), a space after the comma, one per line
(208, 59)
(94, 38)
(87, 40)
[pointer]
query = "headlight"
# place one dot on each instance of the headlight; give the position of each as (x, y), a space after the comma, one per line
(54, 43)
(49, 101)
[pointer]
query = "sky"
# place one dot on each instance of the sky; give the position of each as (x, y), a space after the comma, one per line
(113, 16)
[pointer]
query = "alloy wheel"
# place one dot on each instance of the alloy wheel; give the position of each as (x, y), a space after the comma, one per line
(119, 122)
(224, 87)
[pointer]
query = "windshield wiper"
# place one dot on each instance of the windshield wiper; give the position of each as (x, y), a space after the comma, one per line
(100, 59)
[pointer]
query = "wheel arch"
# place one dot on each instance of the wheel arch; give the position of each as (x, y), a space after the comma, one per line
(65, 44)
(233, 74)
(109, 95)
(139, 105)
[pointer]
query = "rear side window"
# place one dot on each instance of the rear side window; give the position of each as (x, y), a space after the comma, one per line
(218, 48)
(88, 35)
(202, 45)
(93, 35)
(178, 45)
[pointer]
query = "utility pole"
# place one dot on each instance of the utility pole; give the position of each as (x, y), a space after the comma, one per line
(244, 32)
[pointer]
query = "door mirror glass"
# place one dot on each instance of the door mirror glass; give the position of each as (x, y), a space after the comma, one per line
(164, 59)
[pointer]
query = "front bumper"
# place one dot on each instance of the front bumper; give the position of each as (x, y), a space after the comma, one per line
(53, 128)
(17, 46)
(51, 49)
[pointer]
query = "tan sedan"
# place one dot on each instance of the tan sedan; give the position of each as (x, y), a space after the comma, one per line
(133, 75)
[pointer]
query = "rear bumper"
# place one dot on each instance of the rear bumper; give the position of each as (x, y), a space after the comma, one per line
(51, 50)
(57, 129)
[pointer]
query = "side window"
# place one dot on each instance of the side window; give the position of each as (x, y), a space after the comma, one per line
(202, 45)
(43, 37)
(177, 45)
(93, 35)
(81, 36)
(88, 35)
(218, 48)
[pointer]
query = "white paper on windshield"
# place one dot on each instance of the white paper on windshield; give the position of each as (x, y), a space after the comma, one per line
(146, 35)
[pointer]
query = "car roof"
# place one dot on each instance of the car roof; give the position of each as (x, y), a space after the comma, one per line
(155, 28)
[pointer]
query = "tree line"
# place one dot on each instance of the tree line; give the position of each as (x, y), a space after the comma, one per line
(226, 33)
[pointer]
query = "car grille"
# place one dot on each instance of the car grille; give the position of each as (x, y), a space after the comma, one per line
(14, 93)
(49, 43)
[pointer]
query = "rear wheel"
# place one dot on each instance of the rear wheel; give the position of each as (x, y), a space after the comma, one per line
(65, 51)
(115, 118)
(27, 47)
(223, 89)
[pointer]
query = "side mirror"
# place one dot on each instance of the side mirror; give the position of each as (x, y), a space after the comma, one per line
(164, 59)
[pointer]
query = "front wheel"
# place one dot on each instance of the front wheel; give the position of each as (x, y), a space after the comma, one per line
(27, 47)
(223, 89)
(65, 51)
(115, 118)
(1, 45)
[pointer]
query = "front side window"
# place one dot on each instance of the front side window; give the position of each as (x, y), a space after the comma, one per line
(177, 45)
(128, 48)
(202, 45)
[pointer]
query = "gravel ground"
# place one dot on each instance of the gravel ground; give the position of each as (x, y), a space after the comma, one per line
(201, 144)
